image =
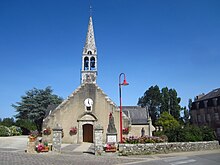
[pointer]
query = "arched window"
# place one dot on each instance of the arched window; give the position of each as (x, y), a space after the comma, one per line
(92, 63)
(89, 52)
(86, 63)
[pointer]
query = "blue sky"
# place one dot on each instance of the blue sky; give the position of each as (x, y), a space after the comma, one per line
(173, 43)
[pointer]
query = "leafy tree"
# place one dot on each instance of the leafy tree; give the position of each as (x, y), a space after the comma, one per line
(152, 100)
(170, 102)
(165, 100)
(26, 125)
(34, 104)
(167, 121)
(174, 104)
(186, 113)
(8, 122)
(158, 102)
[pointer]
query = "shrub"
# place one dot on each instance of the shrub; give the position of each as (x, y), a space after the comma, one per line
(26, 126)
(15, 130)
(188, 134)
(143, 139)
(208, 134)
(4, 131)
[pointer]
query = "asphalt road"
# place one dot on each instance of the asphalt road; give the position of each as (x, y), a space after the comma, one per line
(184, 158)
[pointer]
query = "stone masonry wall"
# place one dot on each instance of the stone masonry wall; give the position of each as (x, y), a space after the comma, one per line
(160, 148)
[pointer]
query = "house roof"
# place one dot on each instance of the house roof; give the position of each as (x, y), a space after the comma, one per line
(50, 108)
(213, 94)
(137, 114)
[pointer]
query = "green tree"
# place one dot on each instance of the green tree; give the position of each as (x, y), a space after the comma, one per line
(152, 100)
(26, 125)
(170, 102)
(34, 104)
(158, 102)
(8, 122)
(186, 115)
(167, 121)
(165, 100)
(174, 104)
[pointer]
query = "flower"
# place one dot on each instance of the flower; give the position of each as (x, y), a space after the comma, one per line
(33, 134)
(110, 147)
(47, 131)
(73, 131)
(40, 147)
(125, 130)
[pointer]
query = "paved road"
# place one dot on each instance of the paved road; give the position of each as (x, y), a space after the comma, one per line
(12, 153)
(17, 158)
(14, 143)
(184, 158)
(193, 158)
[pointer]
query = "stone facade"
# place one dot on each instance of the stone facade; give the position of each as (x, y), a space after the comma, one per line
(72, 112)
(161, 148)
(205, 111)
(136, 130)
(88, 106)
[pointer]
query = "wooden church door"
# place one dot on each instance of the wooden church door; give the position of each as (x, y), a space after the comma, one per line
(88, 133)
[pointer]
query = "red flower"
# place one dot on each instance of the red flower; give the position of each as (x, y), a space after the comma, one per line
(47, 131)
(73, 131)
(125, 130)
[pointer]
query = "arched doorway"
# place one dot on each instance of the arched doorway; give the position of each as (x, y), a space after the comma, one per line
(88, 133)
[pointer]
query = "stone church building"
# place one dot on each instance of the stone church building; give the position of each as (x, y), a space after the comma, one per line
(88, 106)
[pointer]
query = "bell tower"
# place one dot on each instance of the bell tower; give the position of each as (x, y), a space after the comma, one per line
(89, 57)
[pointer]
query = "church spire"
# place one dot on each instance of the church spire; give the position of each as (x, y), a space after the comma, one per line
(89, 57)
(90, 39)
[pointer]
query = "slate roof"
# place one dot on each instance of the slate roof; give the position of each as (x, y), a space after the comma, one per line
(213, 94)
(50, 108)
(137, 114)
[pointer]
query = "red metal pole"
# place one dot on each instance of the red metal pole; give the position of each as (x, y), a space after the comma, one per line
(120, 84)
(120, 113)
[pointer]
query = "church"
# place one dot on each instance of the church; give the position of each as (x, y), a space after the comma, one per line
(88, 106)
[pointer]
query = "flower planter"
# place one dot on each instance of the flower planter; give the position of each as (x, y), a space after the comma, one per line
(110, 149)
(47, 131)
(45, 149)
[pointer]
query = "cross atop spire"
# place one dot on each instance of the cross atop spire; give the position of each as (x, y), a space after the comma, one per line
(90, 10)
(90, 39)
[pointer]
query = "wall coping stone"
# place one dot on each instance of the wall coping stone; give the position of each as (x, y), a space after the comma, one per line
(161, 148)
